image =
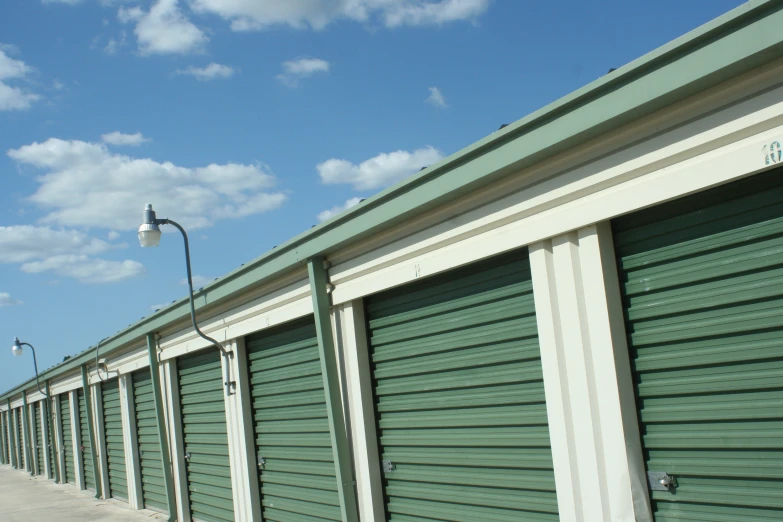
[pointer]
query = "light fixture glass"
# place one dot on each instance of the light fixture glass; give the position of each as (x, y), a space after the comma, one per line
(17, 347)
(149, 235)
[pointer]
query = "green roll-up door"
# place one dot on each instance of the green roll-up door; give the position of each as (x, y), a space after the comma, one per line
(151, 461)
(67, 449)
(20, 438)
(291, 427)
(702, 280)
(115, 444)
(206, 437)
(86, 454)
(39, 442)
(460, 400)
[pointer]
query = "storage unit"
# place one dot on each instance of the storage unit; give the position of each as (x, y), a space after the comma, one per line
(702, 280)
(291, 427)
(39, 444)
(115, 445)
(67, 447)
(86, 454)
(150, 459)
(461, 412)
(203, 412)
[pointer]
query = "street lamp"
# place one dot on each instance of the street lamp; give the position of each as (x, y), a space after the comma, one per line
(17, 350)
(149, 236)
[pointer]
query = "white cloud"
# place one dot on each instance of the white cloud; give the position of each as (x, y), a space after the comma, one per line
(296, 70)
(14, 98)
(7, 300)
(210, 72)
(114, 44)
(436, 98)
(113, 234)
(119, 138)
(66, 252)
(328, 214)
(198, 281)
(86, 269)
(164, 29)
(22, 243)
(249, 15)
(381, 171)
(86, 185)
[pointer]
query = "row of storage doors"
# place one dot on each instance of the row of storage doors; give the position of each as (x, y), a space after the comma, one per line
(458, 387)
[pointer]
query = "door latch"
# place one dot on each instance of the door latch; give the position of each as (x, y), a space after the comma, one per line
(661, 481)
(261, 462)
(388, 466)
(187, 456)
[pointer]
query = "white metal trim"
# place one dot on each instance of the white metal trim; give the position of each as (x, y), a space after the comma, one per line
(60, 456)
(48, 471)
(358, 378)
(241, 446)
(596, 447)
(33, 438)
(131, 443)
(76, 439)
(71, 382)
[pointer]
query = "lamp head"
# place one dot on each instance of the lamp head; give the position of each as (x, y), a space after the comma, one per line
(17, 347)
(149, 231)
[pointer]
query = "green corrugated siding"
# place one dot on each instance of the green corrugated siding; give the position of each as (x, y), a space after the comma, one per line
(67, 449)
(206, 437)
(460, 397)
(39, 445)
(298, 481)
(115, 444)
(20, 438)
(87, 464)
(702, 279)
(151, 461)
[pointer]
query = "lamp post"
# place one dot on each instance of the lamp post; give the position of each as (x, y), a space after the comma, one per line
(149, 236)
(18, 350)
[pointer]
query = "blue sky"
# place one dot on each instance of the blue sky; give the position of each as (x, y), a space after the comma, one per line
(248, 121)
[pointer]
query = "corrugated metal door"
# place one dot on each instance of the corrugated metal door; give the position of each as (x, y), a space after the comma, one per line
(39, 445)
(20, 438)
(291, 427)
(702, 279)
(67, 449)
(115, 445)
(150, 459)
(206, 439)
(460, 397)
(86, 454)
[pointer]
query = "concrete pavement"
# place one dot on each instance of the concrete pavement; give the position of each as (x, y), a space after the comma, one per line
(31, 499)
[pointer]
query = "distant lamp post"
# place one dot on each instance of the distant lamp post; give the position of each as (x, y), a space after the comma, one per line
(149, 236)
(18, 351)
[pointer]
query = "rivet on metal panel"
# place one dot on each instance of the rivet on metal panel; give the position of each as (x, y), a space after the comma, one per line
(388, 466)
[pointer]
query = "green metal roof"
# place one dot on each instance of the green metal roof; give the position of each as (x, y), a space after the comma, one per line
(742, 39)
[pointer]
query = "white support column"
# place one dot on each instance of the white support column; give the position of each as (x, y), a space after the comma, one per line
(131, 443)
(58, 434)
(350, 327)
(14, 431)
(76, 438)
(33, 438)
(100, 440)
(176, 438)
(241, 446)
(48, 447)
(596, 447)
